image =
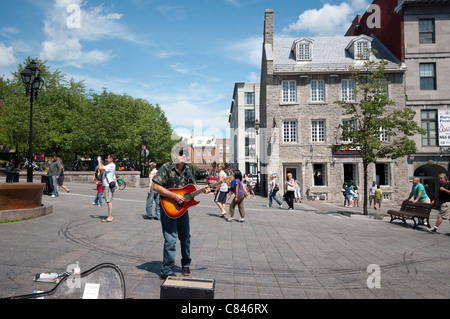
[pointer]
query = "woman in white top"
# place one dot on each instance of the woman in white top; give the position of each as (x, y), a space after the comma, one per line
(249, 184)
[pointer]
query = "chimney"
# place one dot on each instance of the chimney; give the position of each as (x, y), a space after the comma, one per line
(268, 26)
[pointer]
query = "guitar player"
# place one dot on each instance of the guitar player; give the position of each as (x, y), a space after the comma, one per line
(175, 174)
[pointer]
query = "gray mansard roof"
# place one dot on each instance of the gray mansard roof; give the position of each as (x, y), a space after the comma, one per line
(328, 54)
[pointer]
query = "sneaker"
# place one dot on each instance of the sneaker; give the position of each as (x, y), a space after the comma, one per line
(432, 230)
(164, 277)
(229, 219)
(53, 196)
(242, 220)
(281, 206)
(186, 271)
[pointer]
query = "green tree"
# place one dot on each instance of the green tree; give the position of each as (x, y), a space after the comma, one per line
(71, 121)
(371, 114)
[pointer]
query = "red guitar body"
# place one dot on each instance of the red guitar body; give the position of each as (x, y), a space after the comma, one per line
(175, 210)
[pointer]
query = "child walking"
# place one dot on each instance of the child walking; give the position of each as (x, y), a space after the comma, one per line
(98, 199)
(378, 197)
(98, 179)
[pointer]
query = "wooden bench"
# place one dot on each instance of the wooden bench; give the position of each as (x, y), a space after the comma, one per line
(412, 211)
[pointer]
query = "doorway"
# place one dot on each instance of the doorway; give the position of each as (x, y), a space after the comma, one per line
(428, 175)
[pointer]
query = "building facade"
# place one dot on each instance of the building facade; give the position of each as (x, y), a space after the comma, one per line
(301, 78)
(243, 135)
(418, 33)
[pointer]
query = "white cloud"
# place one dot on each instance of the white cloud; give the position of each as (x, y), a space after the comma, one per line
(253, 77)
(7, 56)
(9, 32)
(233, 2)
(328, 20)
(70, 25)
(248, 51)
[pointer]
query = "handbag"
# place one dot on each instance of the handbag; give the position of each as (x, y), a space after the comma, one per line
(276, 188)
(111, 184)
(246, 192)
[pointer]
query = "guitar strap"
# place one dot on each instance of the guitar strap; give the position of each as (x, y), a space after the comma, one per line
(189, 170)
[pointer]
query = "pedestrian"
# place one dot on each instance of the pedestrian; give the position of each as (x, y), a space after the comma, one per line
(444, 198)
(356, 196)
(220, 194)
(273, 189)
(378, 197)
(61, 180)
(290, 189)
(250, 184)
(349, 190)
(297, 191)
(152, 197)
(175, 175)
(232, 184)
(418, 192)
(344, 192)
(109, 183)
(53, 172)
(372, 190)
(244, 185)
(238, 199)
(98, 198)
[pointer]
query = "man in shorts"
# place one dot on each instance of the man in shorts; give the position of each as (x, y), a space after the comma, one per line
(444, 198)
(108, 176)
(220, 194)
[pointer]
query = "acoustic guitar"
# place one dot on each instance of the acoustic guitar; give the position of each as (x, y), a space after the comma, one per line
(175, 210)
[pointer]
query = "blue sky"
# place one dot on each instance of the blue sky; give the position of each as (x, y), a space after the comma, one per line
(184, 55)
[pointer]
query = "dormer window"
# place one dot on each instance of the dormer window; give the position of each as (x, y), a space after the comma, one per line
(362, 49)
(303, 49)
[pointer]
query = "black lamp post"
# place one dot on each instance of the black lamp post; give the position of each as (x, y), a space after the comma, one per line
(144, 141)
(34, 82)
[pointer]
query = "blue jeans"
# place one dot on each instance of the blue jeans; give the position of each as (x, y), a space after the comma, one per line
(273, 196)
(153, 196)
(171, 228)
(54, 184)
(98, 199)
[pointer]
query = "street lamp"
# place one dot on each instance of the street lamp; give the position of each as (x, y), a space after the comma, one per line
(144, 141)
(34, 83)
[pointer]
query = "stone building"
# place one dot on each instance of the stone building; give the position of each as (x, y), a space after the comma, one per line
(418, 33)
(301, 78)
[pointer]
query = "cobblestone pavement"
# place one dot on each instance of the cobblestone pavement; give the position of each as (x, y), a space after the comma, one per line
(315, 251)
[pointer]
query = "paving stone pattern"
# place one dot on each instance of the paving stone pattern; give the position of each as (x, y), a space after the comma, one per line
(311, 252)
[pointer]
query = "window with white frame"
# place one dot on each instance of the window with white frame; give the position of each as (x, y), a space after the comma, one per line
(362, 49)
(317, 91)
(318, 131)
(289, 131)
(348, 90)
(289, 93)
(383, 89)
(384, 136)
(304, 51)
(320, 174)
(351, 126)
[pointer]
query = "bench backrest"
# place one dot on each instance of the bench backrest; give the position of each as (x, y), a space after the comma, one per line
(416, 207)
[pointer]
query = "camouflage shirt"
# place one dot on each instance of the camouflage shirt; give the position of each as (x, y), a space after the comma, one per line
(169, 177)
